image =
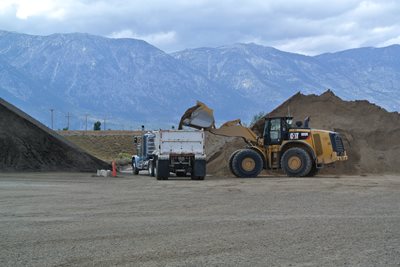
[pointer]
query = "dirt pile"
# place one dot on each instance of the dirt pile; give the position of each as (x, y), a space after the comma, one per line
(28, 145)
(218, 151)
(106, 145)
(370, 133)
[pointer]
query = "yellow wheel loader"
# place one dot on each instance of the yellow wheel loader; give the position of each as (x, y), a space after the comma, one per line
(296, 149)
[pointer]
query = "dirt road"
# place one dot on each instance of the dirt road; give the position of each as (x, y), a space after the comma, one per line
(58, 219)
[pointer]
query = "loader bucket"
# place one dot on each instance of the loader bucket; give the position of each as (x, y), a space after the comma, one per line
(199, 116)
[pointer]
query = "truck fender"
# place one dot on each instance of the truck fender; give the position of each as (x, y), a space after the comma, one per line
(134, 158)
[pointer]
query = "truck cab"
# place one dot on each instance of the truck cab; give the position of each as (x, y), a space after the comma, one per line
(145, 147)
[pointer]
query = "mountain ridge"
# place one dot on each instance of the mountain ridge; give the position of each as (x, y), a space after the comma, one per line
(129, 82)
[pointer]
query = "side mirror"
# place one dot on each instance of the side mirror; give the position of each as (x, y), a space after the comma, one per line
(135, 140)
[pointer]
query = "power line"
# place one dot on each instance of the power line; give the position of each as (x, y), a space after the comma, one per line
(86, 115)
(68, 116)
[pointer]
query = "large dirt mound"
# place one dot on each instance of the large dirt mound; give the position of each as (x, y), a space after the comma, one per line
(370, 133)
(28, 145)
(105, 145)
(218, 151)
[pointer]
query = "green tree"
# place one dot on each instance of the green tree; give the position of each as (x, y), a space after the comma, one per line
(97, 126)
(256, 117)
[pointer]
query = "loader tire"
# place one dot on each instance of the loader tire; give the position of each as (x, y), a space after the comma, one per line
(314, 171)
(162, 169)
(296, 162)
(247, 163)
(231, 162)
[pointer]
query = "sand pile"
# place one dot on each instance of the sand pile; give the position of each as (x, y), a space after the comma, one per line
(105, 145)
(28, 145)
(218, 151)
(370, 133)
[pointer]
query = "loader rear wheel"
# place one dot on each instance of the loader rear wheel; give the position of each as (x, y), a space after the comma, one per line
(161, 169)
(296, 162)
(247, 163)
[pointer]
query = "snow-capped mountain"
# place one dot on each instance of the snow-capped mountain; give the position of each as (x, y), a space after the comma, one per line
(129, 82)
(267, 75)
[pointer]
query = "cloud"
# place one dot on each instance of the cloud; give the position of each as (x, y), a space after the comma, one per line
(314, 45)
(25, 8)
(306, 26)
(157, 39)
(395, 40)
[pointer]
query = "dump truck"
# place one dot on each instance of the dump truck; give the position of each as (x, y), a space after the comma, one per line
(296, 148)
(178, 151)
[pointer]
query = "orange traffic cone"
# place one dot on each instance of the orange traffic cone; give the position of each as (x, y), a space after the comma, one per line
(114, 169)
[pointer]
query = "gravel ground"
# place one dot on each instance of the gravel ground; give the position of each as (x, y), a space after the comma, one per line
(64, 219)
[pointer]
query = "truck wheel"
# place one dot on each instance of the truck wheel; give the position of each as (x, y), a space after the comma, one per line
(199, 169)
(247, 163)
(151, 168)
(162, 169)
(296, 162)
(231, 162)
(135, 170)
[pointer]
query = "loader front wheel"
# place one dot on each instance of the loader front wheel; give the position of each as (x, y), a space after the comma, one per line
(231, 163)
(296, 162)
(247, 163)
(314, 171)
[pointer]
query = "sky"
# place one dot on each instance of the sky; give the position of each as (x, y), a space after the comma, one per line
(308, 27)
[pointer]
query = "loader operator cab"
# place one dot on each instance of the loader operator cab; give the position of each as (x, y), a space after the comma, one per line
(276, 129)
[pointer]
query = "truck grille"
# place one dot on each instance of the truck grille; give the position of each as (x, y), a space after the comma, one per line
(337, 143)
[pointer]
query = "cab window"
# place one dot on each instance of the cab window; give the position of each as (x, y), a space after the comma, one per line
(275, 131)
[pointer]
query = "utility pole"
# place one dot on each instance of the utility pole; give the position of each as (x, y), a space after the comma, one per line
(86, 115)
(52, 118)
(104, 124)
(68, 116)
